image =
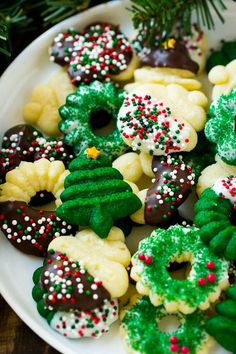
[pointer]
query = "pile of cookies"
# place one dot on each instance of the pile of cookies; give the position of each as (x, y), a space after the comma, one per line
(169, 150)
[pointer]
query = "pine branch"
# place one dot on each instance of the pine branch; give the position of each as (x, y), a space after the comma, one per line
(152, 17)
(4, 35)
(19, 16)
(11, 12)
(58, 10)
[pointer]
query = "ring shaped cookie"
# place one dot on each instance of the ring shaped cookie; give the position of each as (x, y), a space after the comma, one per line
(213, 214)
(23, 142)
(76, 117)
(207, 277)
(28, 229)
(141, 334)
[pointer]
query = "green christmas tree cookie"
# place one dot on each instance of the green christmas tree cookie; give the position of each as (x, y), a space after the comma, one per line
(95, 194)
(223, 326)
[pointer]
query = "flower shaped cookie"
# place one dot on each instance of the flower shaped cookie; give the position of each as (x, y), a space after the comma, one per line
(42, 108)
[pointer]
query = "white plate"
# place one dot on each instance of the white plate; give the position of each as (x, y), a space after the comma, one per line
(28, 69)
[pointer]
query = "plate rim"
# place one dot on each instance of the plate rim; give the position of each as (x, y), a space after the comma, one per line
(7, 296)
(45, 334)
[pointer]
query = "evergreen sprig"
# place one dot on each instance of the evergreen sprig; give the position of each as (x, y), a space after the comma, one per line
(152, 17)
(19, 16)
(58, 10)
(11, 14)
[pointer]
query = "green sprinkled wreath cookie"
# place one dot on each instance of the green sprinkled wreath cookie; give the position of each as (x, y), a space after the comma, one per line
(141, 334)
(207, 277)
(220, 129)
(82, 111)
(213, 214)
(223, 326)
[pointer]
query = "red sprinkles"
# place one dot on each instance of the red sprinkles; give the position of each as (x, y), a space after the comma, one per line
(96, 54)
(147, 125)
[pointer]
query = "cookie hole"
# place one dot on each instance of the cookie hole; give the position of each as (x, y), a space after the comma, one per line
(169, 324)
(102, 123)
(179, 270)
(41, 198)
(233, 217)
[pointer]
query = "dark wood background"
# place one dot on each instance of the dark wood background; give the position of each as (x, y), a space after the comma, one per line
(16, 337)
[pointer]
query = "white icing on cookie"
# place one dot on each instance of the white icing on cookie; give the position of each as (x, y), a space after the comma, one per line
(77, 324)
(226, 189)
(147, 125)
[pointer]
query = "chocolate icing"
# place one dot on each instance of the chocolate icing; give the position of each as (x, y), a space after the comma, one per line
(110, 35)
(8, 161)
(159, 211)
(63, 46)
(17, 141)
(71, 271)
(128, 54)
(74, 73)
(53, 150)
(31, 230)
(177, 58)
(15, 147)
(20, 136)
(25, 143)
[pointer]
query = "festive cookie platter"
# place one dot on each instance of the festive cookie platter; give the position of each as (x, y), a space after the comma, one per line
(123, 200)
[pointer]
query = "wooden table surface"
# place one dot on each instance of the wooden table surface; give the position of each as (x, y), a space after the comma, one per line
(16, 337)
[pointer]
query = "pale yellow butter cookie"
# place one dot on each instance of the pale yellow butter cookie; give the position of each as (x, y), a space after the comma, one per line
(46, 98)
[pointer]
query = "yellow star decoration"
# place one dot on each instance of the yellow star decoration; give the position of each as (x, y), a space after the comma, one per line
(92, 153)
(170, 44)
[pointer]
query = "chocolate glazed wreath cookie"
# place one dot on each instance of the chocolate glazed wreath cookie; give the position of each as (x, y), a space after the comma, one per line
(28, 229)
(23, 142)
(101, 52)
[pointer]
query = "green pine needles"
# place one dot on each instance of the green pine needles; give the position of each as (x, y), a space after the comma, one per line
(154, 17)
(20, 16)
(11, 14)
(17, 17)
(58, 10)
